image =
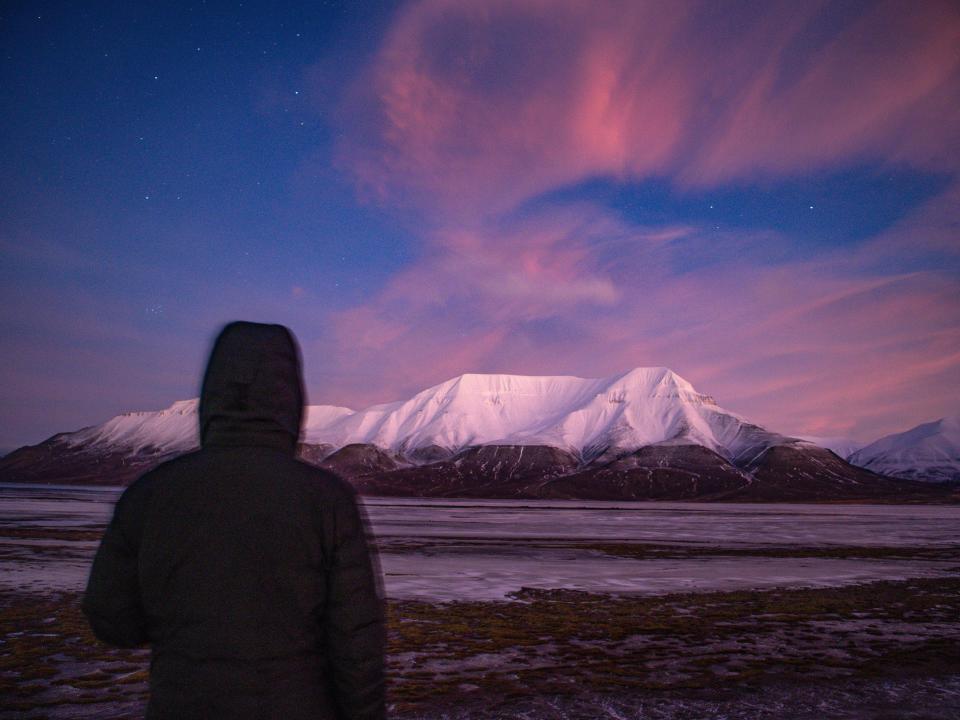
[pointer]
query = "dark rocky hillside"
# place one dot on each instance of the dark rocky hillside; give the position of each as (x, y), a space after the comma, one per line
(667, 471)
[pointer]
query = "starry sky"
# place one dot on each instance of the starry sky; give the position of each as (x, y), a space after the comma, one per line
(762, 196)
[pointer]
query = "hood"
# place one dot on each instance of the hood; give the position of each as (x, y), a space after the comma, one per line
(252, 390)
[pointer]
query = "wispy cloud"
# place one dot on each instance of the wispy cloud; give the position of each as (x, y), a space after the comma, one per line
(474, 108)
(471, 112)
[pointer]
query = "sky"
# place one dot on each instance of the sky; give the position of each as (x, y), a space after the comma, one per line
(763, 196)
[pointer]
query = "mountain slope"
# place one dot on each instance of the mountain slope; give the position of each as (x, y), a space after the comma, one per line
(664, 471)
(492, 471)
(930, 452)
(806, 472)
(843, 447)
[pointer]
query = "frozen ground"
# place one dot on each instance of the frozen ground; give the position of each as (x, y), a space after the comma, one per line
(727, 524)
(885, 699)
(445, 550)
(544, 610)
(491, 575)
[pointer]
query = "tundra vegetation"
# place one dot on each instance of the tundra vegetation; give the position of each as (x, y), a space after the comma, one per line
(478, 659)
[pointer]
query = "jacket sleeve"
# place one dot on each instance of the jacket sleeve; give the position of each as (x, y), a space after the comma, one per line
(354, 630)
(112, 598)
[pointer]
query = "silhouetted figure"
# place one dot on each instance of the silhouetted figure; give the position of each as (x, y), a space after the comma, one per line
(247, 570)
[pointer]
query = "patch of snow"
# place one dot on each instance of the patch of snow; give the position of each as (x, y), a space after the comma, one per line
(930, 451)
(438, 549)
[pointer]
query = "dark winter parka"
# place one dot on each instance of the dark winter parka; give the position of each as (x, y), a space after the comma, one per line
(246, 570)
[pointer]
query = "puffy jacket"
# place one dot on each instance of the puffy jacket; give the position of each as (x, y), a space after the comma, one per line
(246, 570)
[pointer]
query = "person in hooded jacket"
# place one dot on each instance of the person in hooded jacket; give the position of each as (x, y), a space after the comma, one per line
(246, 570)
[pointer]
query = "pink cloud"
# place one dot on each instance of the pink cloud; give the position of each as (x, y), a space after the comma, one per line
(857, 97)
(477, 106)
(471, 109)
(803, 347)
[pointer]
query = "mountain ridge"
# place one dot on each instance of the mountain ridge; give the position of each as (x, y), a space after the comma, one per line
(644, 433)
(639, 407)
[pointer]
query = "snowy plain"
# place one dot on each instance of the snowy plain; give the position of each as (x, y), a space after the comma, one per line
(442, 550)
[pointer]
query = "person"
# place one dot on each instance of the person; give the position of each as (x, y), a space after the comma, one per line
(246, 570)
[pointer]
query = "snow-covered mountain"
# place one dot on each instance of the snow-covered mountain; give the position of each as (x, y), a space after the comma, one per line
(583, 416)
(930, 451)
(173, 429)
(645, 433)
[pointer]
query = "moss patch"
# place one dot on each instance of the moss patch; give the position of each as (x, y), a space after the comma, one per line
(546, 642)
(49, 658)
(41, 533)
(556, 641)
